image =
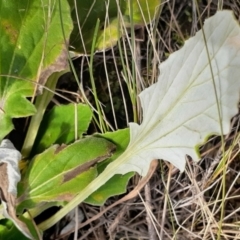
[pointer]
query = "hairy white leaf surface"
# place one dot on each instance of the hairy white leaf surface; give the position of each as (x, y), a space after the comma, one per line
(181, 110)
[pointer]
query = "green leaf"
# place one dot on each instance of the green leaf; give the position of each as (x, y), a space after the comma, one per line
(181, 110)
(143, 11)
(87, 13)
(32, 48)
(61, 172)
(9, 232)
(118, 183)
(59, 126)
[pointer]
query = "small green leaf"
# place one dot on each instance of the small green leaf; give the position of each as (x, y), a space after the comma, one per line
(60, 172)
(9, 232)
(118, 183)
(32, 48)
(143, 11)
(59, 126)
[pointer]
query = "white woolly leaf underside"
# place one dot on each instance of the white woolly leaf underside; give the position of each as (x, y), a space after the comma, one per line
(181, 110)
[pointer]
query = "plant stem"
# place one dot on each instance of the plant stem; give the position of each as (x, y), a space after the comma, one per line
(41, 104)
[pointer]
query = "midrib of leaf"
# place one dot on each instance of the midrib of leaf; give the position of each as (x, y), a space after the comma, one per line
(173, 106)
(87, 191)
(56, 176)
